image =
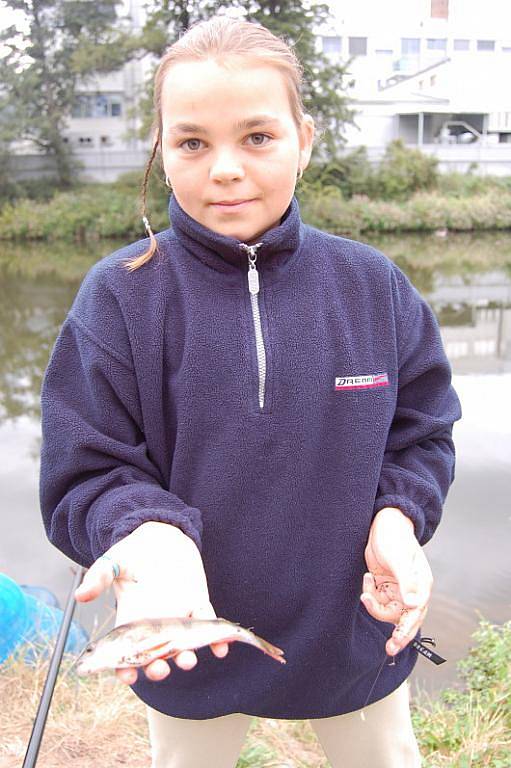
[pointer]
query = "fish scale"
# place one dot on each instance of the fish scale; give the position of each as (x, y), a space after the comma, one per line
(140, 642)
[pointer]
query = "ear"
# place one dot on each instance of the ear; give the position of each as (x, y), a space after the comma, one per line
(306, 138)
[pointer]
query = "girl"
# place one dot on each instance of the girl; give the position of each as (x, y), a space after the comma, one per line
(246, 414)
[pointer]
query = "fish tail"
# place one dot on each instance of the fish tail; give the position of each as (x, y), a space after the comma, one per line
(271, 650)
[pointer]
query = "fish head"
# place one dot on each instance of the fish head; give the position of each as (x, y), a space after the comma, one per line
(96, 657)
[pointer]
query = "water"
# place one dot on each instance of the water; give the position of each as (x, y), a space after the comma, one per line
(467, 281)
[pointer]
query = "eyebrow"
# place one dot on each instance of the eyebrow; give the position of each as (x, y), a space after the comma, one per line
(252, 122)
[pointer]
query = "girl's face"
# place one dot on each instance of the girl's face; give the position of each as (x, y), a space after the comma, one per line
(229, 135)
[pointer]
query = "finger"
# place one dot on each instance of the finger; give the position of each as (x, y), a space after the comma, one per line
(128, 675)
(405, 630)
(220, 650)
(377, 603)
(389, 612)
(97, 579)
(158, 669)
(186, 660)
(387, 591)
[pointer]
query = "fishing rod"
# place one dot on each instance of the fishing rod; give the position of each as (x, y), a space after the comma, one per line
(51, 678)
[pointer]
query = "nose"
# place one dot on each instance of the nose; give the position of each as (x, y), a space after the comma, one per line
(226, 168)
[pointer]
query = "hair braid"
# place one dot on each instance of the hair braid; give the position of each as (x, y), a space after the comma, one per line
(132, 264)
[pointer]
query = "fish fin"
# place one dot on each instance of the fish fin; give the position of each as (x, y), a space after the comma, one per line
(165, 650)
(166, 644)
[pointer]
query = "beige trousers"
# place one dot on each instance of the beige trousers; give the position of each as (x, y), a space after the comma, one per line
(385, 739)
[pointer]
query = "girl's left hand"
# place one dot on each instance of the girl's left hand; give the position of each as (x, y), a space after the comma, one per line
(398, 587)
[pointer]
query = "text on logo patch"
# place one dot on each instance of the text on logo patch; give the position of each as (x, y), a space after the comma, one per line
(362, 382)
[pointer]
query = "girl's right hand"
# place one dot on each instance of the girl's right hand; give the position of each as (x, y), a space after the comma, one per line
(170, 582)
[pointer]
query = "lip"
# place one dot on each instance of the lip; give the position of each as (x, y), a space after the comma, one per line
(236, 205)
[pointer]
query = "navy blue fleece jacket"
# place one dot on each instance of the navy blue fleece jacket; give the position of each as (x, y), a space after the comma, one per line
(270, 427)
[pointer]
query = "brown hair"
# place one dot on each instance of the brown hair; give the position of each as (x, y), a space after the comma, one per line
(220, 36)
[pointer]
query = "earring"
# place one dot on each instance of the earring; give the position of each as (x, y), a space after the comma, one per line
(167, 182)
(299, 173)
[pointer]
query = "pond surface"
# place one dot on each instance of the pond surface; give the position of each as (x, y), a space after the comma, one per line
(466, 280)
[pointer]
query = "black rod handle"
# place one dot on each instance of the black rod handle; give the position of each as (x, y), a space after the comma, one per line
(51, 678)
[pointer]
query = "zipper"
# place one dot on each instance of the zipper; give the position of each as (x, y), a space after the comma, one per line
(253, 287)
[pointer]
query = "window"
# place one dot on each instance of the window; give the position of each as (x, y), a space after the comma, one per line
(97, 105)
(486, 45)
(358, 46)
(506, 49)
(100, 106)
(437, 43)
(331, 44)
(461, 45)
(410, 45)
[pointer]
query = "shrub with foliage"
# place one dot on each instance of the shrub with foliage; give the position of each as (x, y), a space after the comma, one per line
(351, 174)
(471, 728)
(404, 171)
(401, 172)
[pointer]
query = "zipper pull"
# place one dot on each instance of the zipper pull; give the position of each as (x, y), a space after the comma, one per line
(253, 279)
(253, 274)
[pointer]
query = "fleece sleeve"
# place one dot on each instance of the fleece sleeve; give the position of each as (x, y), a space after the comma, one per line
(419, 459)
(97, 480)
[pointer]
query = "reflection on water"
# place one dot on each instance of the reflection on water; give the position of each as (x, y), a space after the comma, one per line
(467, 281)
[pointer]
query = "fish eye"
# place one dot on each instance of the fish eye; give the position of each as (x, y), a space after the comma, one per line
(89, 649)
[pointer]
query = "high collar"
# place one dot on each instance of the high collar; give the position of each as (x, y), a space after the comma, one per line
(222, 252)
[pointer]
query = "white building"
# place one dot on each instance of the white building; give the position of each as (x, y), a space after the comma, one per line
(431, 72)
(101, 128)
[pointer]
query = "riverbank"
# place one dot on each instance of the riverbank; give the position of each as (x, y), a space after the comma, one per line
(466, 727)
(95, 211)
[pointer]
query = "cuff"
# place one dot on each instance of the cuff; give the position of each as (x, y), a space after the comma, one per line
(189, 521)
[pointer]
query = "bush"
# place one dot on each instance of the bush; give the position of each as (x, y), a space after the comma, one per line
(472, 727)
(404, 171)
(401, 172)
(465, 184)
(351, 174)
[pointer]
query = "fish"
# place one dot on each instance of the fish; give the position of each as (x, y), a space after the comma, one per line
(140, 642)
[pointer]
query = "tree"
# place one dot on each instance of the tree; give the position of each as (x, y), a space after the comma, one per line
(42, 68)
(324, 83)
(293, 20)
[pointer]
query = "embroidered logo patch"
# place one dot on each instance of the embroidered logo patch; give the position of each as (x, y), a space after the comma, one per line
(368, 381)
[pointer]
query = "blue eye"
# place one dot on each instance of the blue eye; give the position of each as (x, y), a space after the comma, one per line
(188, 141)
(260, 144)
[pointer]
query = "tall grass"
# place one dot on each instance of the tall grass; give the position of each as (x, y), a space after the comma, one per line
(347, 200)
(466, 727)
